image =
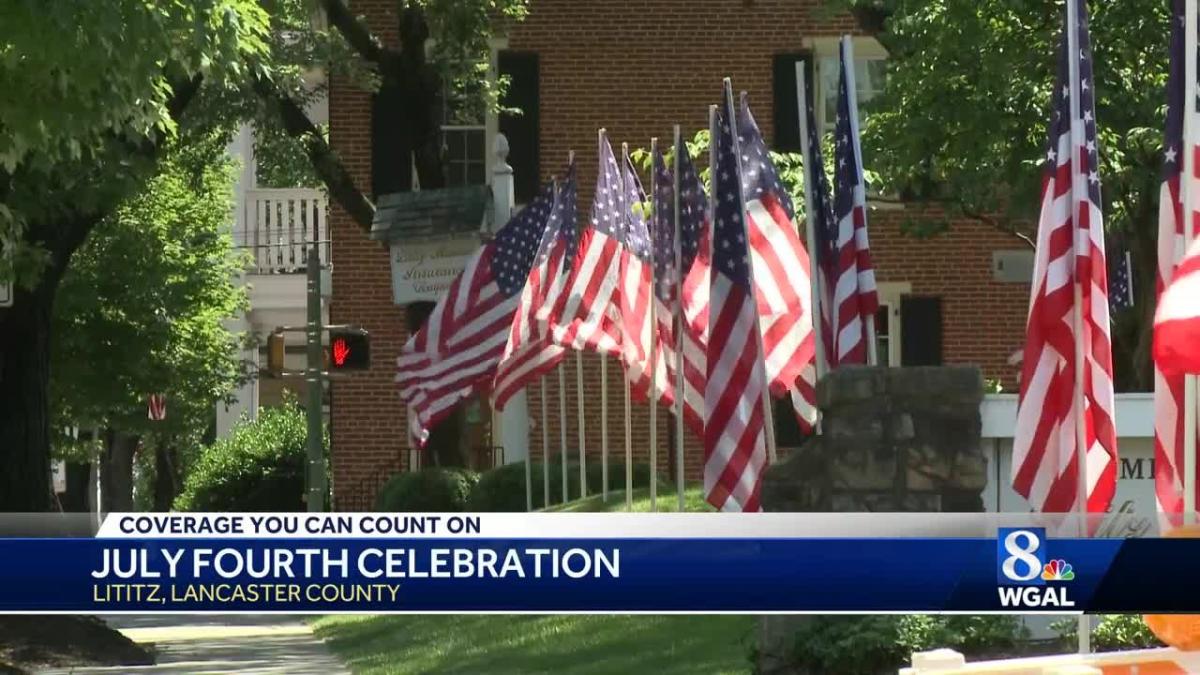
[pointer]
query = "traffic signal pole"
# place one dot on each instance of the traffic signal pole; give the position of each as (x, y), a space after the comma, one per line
(315, 386)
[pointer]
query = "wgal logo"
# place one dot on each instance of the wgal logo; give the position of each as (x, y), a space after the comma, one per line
(1023, 571)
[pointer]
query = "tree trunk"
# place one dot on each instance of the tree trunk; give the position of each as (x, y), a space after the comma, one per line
(166, 481)
(24, 410)
(75, 499)
(116, 478)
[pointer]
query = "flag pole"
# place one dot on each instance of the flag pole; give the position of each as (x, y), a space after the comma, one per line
(545, 447)
(1187, 184)
(847, 46)
(628, 393)
(680, 320)
(628, 450)
(562, 408)
(810, 230)
(604, 427)
(562, 427)
(579, 408)
(653, 354)
(768, 416)
(528, 476)
(1083, 628)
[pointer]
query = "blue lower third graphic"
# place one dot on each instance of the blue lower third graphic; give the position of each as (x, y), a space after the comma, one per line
(602, 575)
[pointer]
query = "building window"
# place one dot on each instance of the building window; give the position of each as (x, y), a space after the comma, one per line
(869, 75)
(883, 336)
(465, 154)
(464, 136)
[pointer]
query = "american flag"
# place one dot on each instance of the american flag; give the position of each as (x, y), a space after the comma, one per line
(456, 352)
(825, 235)
(629, 229)
(735, 452)
(530, 351)
(585, 315)
(1168, 383)
(1070, 251)
(687, 310)
(156, 408)
(781, 274)
(850, 296)
(1177, 325)
(1120, 277)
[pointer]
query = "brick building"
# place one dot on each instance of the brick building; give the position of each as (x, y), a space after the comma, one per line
(637, 69)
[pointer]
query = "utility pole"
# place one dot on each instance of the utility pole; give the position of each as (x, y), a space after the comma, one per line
(315, 384)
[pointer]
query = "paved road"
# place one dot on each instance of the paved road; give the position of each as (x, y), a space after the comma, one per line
(256, 644)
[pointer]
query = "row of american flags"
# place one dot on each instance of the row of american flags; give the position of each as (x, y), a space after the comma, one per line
(703, 296)
(711, 303)
(1065, 445)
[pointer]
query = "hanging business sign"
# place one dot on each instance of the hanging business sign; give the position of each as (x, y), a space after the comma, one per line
(422, 271)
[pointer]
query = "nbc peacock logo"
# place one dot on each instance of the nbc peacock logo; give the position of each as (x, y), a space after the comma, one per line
(1058, 570)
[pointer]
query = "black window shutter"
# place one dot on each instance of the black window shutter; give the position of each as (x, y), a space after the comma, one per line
(787, 428)
(920, 331)
(787, 118)
(391, 151)
(522, 130)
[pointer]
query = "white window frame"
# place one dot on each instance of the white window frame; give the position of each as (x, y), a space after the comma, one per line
(866, 48)
(890, 295)
(491, 122)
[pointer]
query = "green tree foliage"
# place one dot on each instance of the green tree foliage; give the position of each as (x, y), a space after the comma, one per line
(93, 94)
(258, 467)
(143, 309)
(963, 122)
(84, 84)
(144, 306)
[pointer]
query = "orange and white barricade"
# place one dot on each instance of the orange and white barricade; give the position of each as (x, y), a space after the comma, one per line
(1162, 661)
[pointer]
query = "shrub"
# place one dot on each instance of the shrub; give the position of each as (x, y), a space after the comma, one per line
(503, 489)
(434, 489)
(883, 644)
(258, 467)
(1113, 632)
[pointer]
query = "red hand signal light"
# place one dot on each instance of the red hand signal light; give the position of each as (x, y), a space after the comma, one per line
(340, 351)
(349, 349)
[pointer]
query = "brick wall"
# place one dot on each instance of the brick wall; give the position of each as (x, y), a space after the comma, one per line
(636, 69)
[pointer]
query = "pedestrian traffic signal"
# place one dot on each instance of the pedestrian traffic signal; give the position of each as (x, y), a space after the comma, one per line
(275, 353)
(349, 349)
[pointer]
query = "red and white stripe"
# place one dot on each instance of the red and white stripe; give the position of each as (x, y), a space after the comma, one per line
(1046, 467)
(1169, 371)
(695, 330)
(1177, 321)
(156, 408)
(1176, 355)
(530, 351)
(455, 354)
(1171, 352)
(781, 278)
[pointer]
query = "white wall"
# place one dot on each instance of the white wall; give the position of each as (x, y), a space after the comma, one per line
(1134, 510)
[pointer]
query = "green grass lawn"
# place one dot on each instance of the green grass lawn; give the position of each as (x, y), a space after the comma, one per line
(668, 500)
(578, 645)
(549, 644)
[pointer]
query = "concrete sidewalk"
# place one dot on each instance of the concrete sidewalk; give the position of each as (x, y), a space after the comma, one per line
(223, 644)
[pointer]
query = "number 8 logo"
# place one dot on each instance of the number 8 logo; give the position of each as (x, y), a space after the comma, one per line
(1023, 553)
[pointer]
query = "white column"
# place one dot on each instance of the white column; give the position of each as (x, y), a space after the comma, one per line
(242, 149)
(512, 424)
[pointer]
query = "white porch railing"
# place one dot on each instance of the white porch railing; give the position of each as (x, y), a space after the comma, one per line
(278, 225)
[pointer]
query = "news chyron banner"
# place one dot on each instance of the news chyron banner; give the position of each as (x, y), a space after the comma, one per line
(693, 563)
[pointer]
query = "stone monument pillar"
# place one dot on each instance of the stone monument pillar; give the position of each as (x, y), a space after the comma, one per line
(893, 439)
